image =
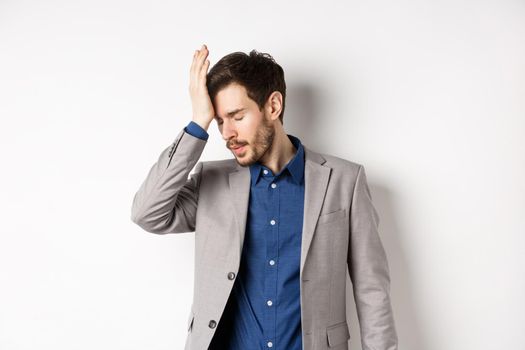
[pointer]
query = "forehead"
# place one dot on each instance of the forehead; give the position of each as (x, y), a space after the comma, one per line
(232, 98)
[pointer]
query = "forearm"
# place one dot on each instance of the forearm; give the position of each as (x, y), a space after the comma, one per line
(166, 201)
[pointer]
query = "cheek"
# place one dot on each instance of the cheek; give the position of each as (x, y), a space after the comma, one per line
(246, 132)
(251, 127)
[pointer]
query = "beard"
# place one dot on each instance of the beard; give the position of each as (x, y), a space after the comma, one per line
(260, 145)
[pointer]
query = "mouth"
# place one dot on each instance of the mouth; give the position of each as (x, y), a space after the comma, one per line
(238, 149)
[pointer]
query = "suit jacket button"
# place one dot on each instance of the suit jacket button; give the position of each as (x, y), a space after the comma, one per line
(212, 324)
(231, 276)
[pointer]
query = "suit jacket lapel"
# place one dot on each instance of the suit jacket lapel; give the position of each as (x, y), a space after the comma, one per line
(239, 182)
(316, 178)
(316, 181)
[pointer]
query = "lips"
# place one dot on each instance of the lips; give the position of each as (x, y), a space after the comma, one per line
(238, 149)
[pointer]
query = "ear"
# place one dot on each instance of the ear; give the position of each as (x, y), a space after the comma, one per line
(274, 104)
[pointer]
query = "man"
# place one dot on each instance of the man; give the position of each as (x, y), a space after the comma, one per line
(275, 227)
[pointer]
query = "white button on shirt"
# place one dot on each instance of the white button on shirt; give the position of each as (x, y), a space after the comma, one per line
(270, 344)
(274, 185)
(272, 262)
(272, 222)
(265, 171)
(269, 302)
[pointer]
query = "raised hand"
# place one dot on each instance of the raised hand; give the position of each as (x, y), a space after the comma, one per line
(203, 111)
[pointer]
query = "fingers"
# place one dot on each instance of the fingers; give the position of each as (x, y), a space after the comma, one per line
(192, 68)
(199, 63)
(204, 69)
(203, 53)
(198, 58)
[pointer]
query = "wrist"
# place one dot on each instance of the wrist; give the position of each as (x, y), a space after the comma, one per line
(202, 124)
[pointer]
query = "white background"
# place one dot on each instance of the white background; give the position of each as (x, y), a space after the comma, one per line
(427, 95)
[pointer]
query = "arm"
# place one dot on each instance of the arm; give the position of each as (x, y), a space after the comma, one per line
(166, 202)
(369, 272)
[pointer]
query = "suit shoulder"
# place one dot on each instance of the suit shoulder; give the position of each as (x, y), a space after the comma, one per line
(338, 162)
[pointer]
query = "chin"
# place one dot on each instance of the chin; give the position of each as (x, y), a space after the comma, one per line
(244, 160)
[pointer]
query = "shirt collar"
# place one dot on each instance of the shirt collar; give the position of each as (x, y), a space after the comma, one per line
(295, 166)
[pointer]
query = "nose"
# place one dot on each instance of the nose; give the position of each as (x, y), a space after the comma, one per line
(228, 130)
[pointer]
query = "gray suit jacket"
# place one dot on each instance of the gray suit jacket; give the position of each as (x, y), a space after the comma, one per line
(340, 229)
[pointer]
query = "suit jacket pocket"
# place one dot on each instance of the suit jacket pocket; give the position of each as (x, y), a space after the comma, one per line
(337, 334)
(332, 216)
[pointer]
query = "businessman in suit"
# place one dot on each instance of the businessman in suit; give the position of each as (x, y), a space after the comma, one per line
(275, 227)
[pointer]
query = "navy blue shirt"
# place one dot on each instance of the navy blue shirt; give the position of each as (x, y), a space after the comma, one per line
(264, 308)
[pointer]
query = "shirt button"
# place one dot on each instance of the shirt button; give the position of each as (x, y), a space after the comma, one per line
(269, 302)
(212, 324)
(272, 222)
(272, 262)
(231, 275)
(274, 185)
(270, 344)
(265, 171)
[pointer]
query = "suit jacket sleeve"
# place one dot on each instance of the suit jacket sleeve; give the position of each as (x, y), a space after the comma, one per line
(369, 271)
(166, 202)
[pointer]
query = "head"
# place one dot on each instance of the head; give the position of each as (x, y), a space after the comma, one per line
(248, 94)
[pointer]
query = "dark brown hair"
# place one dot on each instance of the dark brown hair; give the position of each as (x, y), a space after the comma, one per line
(257, 72)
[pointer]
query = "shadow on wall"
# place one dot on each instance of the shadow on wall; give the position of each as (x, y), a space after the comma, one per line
(301, 119)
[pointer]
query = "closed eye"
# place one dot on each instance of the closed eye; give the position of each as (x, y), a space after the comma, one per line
(219, 121)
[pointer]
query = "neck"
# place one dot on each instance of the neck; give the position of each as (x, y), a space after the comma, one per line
(280, 152)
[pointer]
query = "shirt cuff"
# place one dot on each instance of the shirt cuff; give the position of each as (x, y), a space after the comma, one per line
(196, 130)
